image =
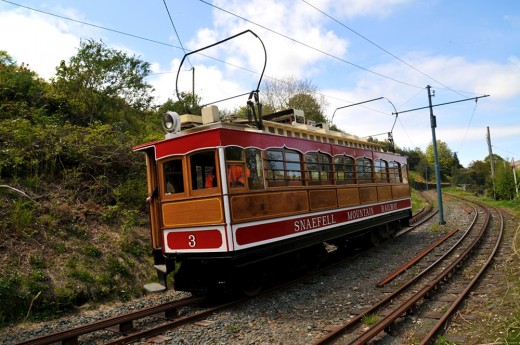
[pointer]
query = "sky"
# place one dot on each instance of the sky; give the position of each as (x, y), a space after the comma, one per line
(350, 50)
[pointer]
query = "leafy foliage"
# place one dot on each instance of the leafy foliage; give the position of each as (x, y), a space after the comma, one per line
(102, 84)
(291, 93)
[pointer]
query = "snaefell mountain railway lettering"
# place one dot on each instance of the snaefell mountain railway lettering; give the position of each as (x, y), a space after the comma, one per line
(389, 207)
(313, 222)
(360, 213)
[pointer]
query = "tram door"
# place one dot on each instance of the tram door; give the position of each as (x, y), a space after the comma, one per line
(153, 192)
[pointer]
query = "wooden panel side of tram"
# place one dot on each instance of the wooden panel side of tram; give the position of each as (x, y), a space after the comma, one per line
(193, 212)
(248, 207)
(401, 191)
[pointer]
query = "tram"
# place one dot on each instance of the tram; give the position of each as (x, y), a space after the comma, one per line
(231, 201)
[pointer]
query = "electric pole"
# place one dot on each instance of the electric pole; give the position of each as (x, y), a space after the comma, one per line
(488, 138)
(433, 123)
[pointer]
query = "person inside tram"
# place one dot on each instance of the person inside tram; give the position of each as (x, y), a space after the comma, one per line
(236, 175)
(211, 180)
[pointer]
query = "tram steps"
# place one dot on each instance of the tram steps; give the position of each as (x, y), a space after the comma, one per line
(161, 275)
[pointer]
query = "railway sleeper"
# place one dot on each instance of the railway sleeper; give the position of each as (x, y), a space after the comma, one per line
(391, 329)
(412, 310)
(123, 328)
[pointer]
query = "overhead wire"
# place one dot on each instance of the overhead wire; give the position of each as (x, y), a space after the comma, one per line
(469, 125)
(378, 46)
(501, 149)
(90, 24)
(309, 46)
(175, 29)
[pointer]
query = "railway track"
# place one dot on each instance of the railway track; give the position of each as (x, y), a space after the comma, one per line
(122, 328)
(434, 294)
(152, 321)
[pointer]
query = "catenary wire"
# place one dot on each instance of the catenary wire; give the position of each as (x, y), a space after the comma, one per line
(309, 46)
(469, 125)
(175, 29)
(378, 46)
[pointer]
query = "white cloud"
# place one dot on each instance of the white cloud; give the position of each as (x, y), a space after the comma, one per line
(38, 41)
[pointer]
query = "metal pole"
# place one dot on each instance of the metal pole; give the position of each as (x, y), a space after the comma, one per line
(491, 162)
(193, 87)
(426, 177)
(351, 105)
(514, 175)
(433, 123)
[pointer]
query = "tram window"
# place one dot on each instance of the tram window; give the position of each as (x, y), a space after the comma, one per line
(203, 173)
(318, 168)
(255, 167)
(364, 170)
(173, 177)
(344, 170)
(404, 173)
(237, 173)
(394, 172)
(234, 153)
(283, 167)
(274, 164)
(381, 171)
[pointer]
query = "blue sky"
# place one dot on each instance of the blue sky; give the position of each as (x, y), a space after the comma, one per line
(352, 50)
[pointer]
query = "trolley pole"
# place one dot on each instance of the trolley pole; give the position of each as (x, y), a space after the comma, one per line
(433, 123)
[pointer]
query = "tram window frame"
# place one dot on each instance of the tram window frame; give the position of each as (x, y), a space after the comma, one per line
(283, 167)
(319, 169)
(235, 162)
(342, 174)
(364, 170)
(381, 173)
(169, 180)
(394, 172)
(404, 173)
(203, 164)
(255, 166)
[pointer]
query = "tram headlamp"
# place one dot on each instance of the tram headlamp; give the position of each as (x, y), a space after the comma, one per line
(171, 122)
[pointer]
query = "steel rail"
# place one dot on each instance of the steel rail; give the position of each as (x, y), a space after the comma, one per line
(412, 262)
(451, 310)
(71, 336)
(389, 298)
(412, 302)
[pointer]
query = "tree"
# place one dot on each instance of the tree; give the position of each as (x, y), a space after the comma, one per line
(291, 93)
(21, 90)
(504, 182)
(101, 82)
(445, 157)
(414, 156)
(188, 104)
(310, 106)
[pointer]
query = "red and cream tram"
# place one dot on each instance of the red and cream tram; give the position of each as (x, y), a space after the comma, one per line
(230, 202)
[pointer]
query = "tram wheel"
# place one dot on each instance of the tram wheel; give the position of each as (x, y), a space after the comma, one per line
(252, 290)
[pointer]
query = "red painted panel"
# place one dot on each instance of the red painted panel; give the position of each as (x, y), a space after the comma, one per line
(268, 231)
(215, 137)
(205, 239)
(187, 143)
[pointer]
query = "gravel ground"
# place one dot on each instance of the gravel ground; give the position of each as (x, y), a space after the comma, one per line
(297, 315)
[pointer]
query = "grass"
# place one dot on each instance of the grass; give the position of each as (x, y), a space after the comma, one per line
(508, 331)
(370, 319)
